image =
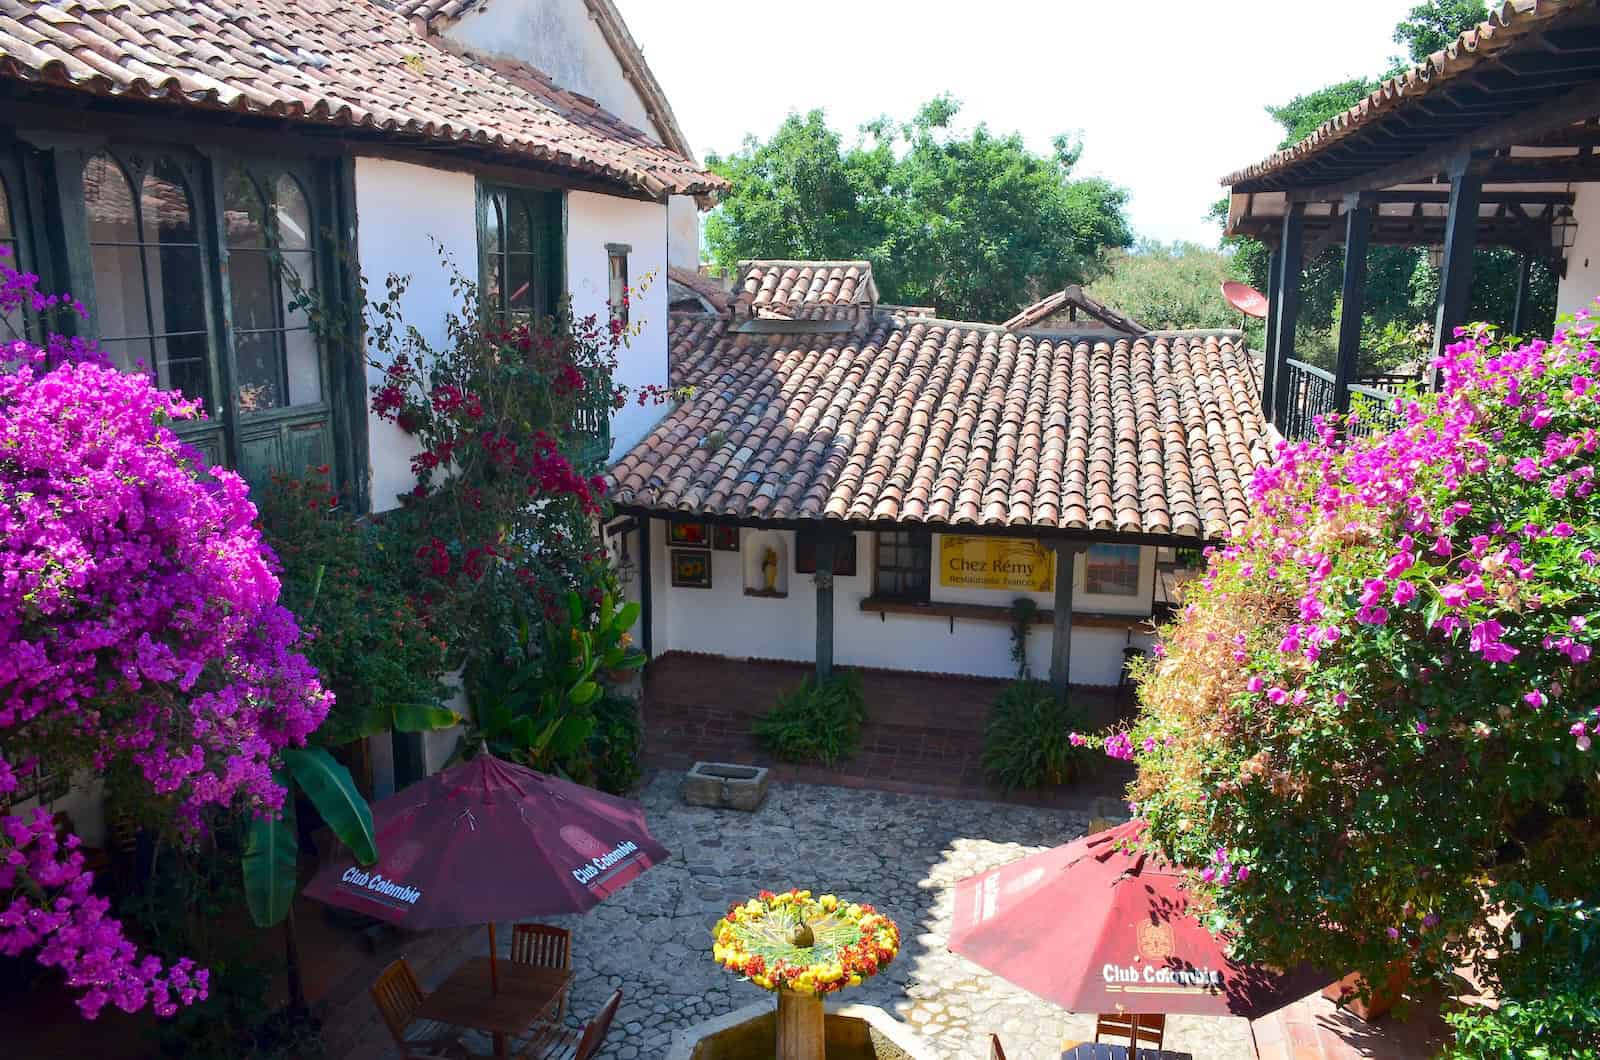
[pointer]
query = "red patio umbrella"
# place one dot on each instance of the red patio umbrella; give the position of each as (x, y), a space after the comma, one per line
(1093, 927)
(488, 840)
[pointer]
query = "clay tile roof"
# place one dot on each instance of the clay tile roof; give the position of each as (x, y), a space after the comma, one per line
(431, 15)
(926, 421)
(804, 290)
(1508, 25)
(1074, 299)
(347, 63)
(703, 287)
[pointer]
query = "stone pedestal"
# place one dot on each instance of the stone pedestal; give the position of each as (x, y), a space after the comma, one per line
(725, 785)
(801, 1034)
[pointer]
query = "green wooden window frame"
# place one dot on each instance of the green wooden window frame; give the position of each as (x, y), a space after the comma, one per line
(256, 437)
(16, 190)
(521, 251)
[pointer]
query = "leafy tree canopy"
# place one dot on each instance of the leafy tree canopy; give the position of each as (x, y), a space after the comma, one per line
(971, 222)
(1168, 285)
(1432, 25)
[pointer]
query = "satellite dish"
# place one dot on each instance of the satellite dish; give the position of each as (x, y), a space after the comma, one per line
(1246, 299)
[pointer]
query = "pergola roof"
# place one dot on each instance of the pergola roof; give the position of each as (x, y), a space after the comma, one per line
(1516, 98)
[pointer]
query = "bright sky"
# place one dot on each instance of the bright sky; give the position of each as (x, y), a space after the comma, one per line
(1168, 94)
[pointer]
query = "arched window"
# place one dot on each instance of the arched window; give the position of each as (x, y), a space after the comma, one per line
(271, 260)
(520, 241)
(149, 288)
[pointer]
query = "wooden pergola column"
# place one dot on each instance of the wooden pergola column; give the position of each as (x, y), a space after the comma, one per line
(1061, 631)
(1286, 310)
(824, 578)
(1358, 229)
(1455, 275)
(1268, 365)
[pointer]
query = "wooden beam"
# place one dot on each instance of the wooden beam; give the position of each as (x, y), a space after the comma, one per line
(1268, 364)
(1061, 624)
(1455, 278)
(646, 595)
(1287, 309)
(1569, 108)
(824, 579)
(1358, 226)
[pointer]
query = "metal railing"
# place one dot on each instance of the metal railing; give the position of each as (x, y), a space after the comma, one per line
(1376, 408)
(592, 421)
(1309, 392)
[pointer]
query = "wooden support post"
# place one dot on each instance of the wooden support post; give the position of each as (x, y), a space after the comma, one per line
(1287, 310)
(825, 549)
(1358, 227)
(1519, 312)
(1268, 366)
(1061, 631)
(646, 610)
(1455, 276)
(801, 1027)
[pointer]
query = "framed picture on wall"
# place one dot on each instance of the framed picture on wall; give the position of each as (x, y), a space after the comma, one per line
(694, 535)
(691, 569)
(1111, 570)
(725, 538)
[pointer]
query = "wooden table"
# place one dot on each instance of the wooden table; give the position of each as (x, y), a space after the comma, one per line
(527, 993)
(1106, 1051)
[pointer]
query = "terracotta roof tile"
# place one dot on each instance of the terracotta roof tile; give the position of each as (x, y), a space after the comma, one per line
(928, 421)
(804, 290)
(1074, 298)
(349, 63)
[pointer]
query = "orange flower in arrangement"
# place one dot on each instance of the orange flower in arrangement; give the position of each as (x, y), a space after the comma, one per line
(814, 946)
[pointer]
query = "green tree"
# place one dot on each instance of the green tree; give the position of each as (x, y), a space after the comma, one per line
(1432, 25)
(971, 222)
(1169, 285)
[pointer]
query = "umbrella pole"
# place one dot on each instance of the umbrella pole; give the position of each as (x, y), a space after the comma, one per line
(494, 965)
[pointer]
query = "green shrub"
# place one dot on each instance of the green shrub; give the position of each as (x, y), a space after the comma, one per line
(614, 744)
(816, 723)
(1564, 1025)
(1027, 744)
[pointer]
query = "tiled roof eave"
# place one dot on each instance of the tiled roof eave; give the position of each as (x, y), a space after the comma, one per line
(1505, 26)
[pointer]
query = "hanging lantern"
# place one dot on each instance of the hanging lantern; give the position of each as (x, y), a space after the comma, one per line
(1563, 229)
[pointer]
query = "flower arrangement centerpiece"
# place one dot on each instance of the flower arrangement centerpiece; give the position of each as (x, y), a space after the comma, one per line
(803, 948)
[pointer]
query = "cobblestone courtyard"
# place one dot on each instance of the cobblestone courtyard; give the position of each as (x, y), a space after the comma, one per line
(903, 853)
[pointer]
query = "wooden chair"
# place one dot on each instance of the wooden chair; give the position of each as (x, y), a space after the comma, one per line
(996, 1050)
(551, 1042)
(1139, 1031)
(545, 947)
(397, 996)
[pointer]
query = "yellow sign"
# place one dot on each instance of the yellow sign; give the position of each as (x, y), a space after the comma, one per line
(995, 563)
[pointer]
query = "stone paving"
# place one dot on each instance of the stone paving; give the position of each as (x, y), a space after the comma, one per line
(903, 853)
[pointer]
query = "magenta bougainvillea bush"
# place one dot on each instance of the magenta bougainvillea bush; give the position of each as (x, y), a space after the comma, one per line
(139, 621)
(1371, 732)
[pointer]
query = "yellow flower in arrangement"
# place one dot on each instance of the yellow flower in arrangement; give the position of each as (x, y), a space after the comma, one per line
(792, 941)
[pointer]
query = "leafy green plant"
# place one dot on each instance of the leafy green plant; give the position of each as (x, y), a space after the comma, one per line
(272, 844)
(816, 722)
(614, 743)
(344, 579)
(536, 705)
(1022, 611)
(1027, 741)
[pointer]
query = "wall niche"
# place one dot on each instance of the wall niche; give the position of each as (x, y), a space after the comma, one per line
(766, 563)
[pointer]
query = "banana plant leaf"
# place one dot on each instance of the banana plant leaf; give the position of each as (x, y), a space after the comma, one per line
(423, 717)
(271, 852)
(332, 791)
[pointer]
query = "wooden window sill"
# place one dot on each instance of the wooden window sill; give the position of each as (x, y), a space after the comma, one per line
(766, 594)
(995, 613)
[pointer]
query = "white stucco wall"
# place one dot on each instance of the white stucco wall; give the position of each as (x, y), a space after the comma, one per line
(400, 210)
(1582, 281)
(593, 221)
(683, 232)
(724, 621)
(559, 38)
